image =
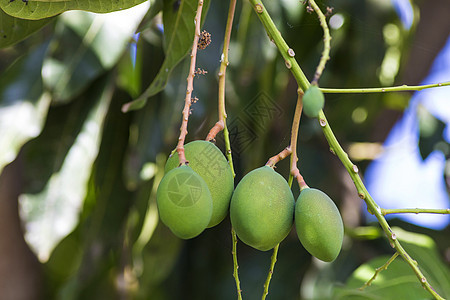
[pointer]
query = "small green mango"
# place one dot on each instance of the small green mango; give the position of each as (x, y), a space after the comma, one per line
(319, 224)
(208, 161)
(262, 209)
(313, 101)
(184, 202)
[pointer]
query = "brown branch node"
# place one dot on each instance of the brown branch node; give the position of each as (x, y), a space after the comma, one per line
(280, 156)
(219, 126)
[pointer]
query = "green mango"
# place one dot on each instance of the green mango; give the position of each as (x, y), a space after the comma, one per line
(209, 162)
(262, 209)
(184, 202)
(319, 224)
(313, 101)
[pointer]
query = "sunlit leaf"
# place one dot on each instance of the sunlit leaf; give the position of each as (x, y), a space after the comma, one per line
(66, 73)
(13, 30)
(155, 7)
(23, 106)
(39, 9)
(399, 281)
(51, 214)
(424, 250)
(96, 42)
(46, 154)
(178, 19)
(104, 213)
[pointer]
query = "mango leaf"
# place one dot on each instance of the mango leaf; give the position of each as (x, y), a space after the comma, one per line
(399, 281)
(97, 43)
(45, 155)
(129, 75)
(64, 261)
(159, 257)
(13, 30)
(149, 123)
(67, 74)
(23, 105)
(156, 248)
(53, 213)
(178, 19)
(104, 213)
(423, 249)
(40, 9)
(155, 7)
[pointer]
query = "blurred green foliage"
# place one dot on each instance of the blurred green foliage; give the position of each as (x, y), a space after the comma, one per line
(91, 171)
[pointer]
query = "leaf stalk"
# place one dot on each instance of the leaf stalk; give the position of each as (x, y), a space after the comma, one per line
(400, 88)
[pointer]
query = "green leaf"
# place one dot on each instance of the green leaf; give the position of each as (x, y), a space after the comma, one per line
(23, 106)
(40, 9)
(63, 195)
(149, 125)
(423, 249)
(179, 27)
(105, 212)
(159, 257)
(45, 155)
(65, 73)
(129, 75)
(399, 281)
(13, 30)
(96, 42)
(155, 7)
(64, 261)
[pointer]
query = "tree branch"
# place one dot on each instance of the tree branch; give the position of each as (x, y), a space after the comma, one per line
(190, 87)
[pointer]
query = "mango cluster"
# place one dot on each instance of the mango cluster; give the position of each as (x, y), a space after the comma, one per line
(263, 210)
(195, 197)
(262, 207)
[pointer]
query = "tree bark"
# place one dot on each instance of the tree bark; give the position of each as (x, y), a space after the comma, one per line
(20, 271)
